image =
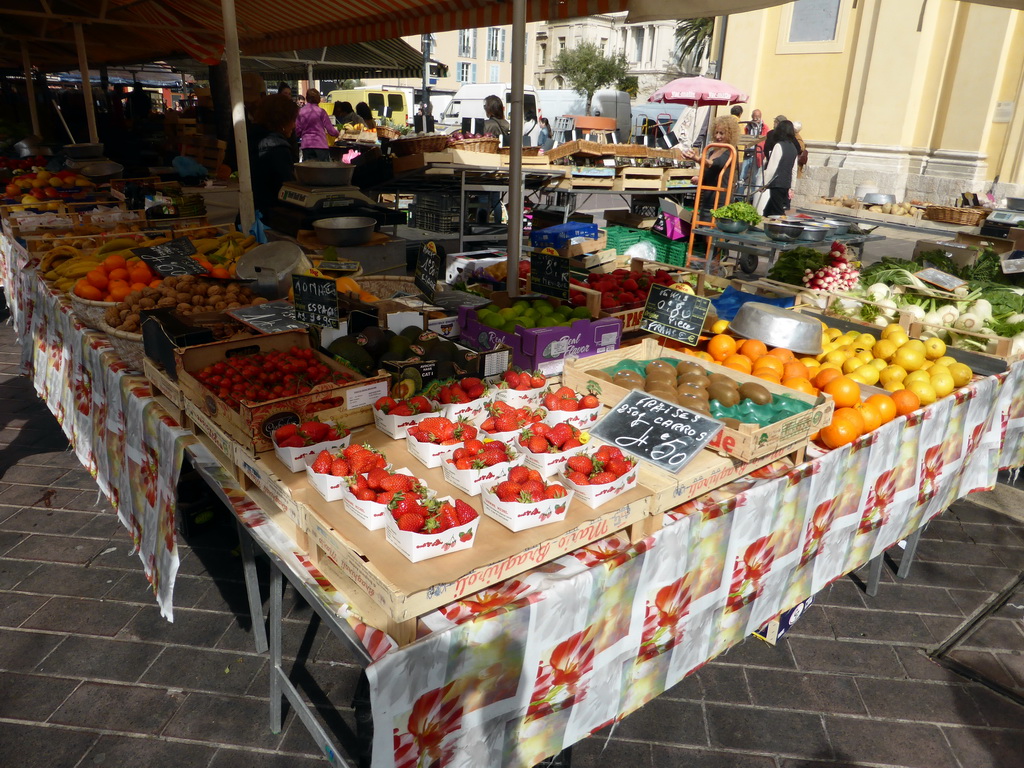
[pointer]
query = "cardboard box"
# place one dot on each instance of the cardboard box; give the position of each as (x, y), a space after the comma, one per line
(397, 427)
(579, 246)
(475, 411)
(583, 419)
(253, 425)
(520, 398)
(542, 349)
(423, 546)
(331, 487)
(549, 464)
(628, 219)
(561, 235)
(596, 495)
(777, 628)
(371, 514)
(295, 459)
(429, 455)
(964, 249)
(519, 517)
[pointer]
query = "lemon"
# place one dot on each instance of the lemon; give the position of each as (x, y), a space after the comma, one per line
(935, 369)
(945, 360)
(926, 365)
(909, 358)
(865, 374)
(836, 356)
(810, 362)
(934, 348)
(833, 366)
(833, 333)
(916, 376)
(720, 326)
(864, 355)
(924, 390)
(943, 384)
(884, 349)
(892, 373)
(961, 374)
(893, 386)
(867, 340)
(899, 338)
(852, 364)
(878, 363)
(892, 328)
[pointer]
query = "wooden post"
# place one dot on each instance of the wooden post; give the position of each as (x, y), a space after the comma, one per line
(515, 154)
(30, 90)
(83, 68)
(246, 209)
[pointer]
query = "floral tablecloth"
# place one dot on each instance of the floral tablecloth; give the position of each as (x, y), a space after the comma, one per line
(519, 671)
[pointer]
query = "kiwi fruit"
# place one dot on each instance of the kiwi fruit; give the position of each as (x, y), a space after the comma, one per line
(599, 375)
(696, 379)
(658, 365)
(755, 392)
(685, 366)
(727, 395)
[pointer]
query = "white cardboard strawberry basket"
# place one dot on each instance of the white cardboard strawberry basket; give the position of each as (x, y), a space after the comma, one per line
(519, 517)
(295, 458)
(328, 486)
(397, 427)
(583, 419)
(595, 496)
(475, 411)
(429, 455)
(422, 546)
(521, 398)
(549, 464)
(472, 481)
(371, 514)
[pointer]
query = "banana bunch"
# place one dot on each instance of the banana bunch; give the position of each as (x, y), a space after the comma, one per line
(226, 250)
(64, 265)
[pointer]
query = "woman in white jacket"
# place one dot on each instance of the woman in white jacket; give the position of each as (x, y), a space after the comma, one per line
(782, 151)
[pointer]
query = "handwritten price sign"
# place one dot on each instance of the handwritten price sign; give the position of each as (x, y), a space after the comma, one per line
(549, 273)
(674, 314)
(657, 431)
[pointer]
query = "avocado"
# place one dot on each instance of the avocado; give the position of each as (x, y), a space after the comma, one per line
(374, 340)
(399, 345)
(413, 375)
(445, 369)
(411, 332)
(352, 353)
(405, 388)
(443, 350)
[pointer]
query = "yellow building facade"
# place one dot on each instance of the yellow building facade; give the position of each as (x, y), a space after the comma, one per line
(924, 99)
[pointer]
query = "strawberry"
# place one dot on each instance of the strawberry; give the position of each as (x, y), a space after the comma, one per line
(420, 404)
(538, 444)
(519, 474)
(473, 447)
(459, 396)
(572, 442)
(578, 478)
(618, 467)
(489, 424)
(551, 402)
(565, 393)
(508, 491)
(375, 477)
(282, 433)
(340, 468)
(352, 450)
(463, 430)
(589, 401)
(607, 452)
(291, 442)
(402, 409)
(581, 464)
(490, 458)
(316, 431)
(569, 405)
(444, 395)
(540, 428)
(466, 513)
(559, 433)
(366, 494)
(410, 521)
(464, 464)
(322, 463)
(448, 517)
(385, 497)
(537, 381)
(473, 387)
(385, 404)
(511, 378)
(397, 483)
(533, 485)
(555, 491)
(601, 478)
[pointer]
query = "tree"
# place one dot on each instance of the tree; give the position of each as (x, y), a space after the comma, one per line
(587, 69)
(630, 85)
(693, 39)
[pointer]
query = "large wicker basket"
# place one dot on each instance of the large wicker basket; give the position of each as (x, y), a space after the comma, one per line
(967, 217)
(387, 132)
(127, 345)
(386, 286)
(417, 144)
(485, 144)
(90, 312)
(527, 151)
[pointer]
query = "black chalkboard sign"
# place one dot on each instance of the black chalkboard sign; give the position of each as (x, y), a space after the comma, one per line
(941, 279)
(655, 430)
(428, 269)
(674, 314)
(549, 273)
(171, 258)
(338, 266)
(272, 317)
(316, 300)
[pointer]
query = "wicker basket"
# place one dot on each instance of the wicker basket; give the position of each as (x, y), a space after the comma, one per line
(968, 217)
(387, 132)
(527, 151)
(485, 144)
(386, 286)
(127, 345)
(417, 144)
(90, 312)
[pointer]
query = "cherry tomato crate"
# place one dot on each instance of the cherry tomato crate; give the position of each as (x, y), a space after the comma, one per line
(253, 425)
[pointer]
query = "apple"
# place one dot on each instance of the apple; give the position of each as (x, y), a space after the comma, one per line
(51, 192)
(12, 190)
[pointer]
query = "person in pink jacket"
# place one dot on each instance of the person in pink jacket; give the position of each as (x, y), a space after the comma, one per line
(312, 127)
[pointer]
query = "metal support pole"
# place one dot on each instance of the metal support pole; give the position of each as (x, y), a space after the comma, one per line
(515, 155)
(30, 90)
(425, 45)
(309, 76)
(83, 68)
(246, 209)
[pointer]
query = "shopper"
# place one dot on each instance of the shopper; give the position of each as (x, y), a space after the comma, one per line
(272, 160)
(345, 115)
(755, 126)
(801, 159)
(366, 115)
(283, 89)
(312, 127)
(545, 139)
(495, 123)
(773, 198)
(725, 130)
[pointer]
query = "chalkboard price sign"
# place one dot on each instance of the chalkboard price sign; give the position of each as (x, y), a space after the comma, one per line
(171, 258)
(941, 279)
(272, 317)
(428, 269)
(316, 300)
(549, 273)
(655, 430)
(339, 266)
(674, 314)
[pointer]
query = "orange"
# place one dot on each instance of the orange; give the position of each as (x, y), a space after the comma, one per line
(114, 261)
(118, 290)
(86, 290)
(782, 353)
(838, 433)
(852, 415)
(699, 353)
(221, 273)
(753, 349)
(770, 363)
(794, 369)
(885, 406)
(844, 390)
(872, 417)
(120, 273)
(139, 286)
(719, 347)
(140, 275)
(767, 375)
(825, 375)
(801, 384)
(737, 363)
(97, 278)
(905, 401)
(155, 282)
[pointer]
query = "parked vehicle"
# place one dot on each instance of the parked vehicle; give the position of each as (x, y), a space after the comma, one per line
(393, 104)
(468, 104)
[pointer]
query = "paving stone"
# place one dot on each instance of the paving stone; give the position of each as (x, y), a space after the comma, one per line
(80, 616)
(814, 622)
(70, 580)
(985, 664)
(973, 513)
(842, 592)
(58, 521)
(38, 496)
(339, 723)
(783, 689)
(213, 563)
(721, 683)
(239, 635)
(970, 600)
(889, 742)
(965, 533)
(32, 697)
(923, 702)
(20, 650)
(122, 708)
(33, 475)
(851, 623)
(221, 595)
(324, 685)
(665, 721)
(77, 479)
(91, 501)
(941, 627)
(57, 549)
(224, 720)
(15, 607)
(844, 657)
(992, 634)
(93, 658)
(13, 572)
(952, 575)
(199, 669)
(757, 653)
(986, 748)
(599, 751)
(9, 540)
(139, 751)
(103, 525)
(954, 552)
(1011, 557)
(759, 730)
(236, 758)
(190, 627)
(675, 757)
(30, 746)
(913, 598)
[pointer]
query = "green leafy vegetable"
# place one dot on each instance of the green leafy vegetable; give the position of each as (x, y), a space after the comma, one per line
(792, 264)
(738, 212)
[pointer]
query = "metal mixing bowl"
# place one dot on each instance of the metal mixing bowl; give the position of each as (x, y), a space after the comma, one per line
(345, 230)
(782, 233)
(323, 173)
(877, 198)
(813, 233)
(732, 226)
(104, 170)
(835, 228)
(778, 327)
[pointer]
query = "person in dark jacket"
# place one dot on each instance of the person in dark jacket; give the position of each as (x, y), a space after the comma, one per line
(778, 174)
(271, 153)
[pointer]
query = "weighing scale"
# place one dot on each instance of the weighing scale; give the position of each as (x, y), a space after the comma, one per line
(1001, 221)
(302, 205)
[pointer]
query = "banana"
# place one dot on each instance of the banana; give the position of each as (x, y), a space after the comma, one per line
(51, 275)
(207, 244)
(235, 235)
(248, 242)
(117, 244)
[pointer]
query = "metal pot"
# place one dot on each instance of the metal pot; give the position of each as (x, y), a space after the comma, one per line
(322, 173)
(345, 230)
(835, 228)
(83, 151)
(813, 233)
(31, 147)
(783, 233)
(777, 327)
(732, 226)
(877, 198)
(105, 170)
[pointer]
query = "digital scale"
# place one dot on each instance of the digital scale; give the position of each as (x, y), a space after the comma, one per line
(1001, 221)
(302, 205)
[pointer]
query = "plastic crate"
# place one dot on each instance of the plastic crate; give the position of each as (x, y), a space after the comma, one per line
(433, 221)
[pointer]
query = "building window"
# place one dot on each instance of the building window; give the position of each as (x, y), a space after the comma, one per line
(495, 73)
(467, 43)
(638, 45)
(814, 21)
(561, 44)
(604, 46)
(542, 54)
(495, 44)
(465, 72)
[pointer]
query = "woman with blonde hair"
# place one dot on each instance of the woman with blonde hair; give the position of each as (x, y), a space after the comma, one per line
(312, 126)
(725, 130)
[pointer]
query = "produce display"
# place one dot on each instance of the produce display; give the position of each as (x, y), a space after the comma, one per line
(526, 486)
(476, 454)
(605, 465)
(504, 418)
(186, 294)
(34, 189)
(542, 438)
(369, 349)
(738, 212)
(307, 433)
(620, 289)
(441, 431)
(530, 314)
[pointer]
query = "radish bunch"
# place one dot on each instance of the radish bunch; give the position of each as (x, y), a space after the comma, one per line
(839, 275)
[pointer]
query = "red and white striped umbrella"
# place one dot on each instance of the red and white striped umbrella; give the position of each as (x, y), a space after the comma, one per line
(698, 91)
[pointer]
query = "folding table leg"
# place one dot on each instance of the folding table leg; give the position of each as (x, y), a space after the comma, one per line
(275, 648)
(252, 590)
(908, 555)
(875, 574)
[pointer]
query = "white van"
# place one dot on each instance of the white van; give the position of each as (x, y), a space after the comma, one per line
(468, 104)
(606, 103)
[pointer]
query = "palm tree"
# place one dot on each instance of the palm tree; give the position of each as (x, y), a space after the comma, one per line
(693, 39)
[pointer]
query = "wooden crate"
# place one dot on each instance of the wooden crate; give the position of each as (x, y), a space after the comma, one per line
(166, 391)
(208, 151)
(628, 177)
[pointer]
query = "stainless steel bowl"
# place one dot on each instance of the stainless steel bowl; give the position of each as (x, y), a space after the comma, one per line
(732, 226)
(835, 228)
(877, 198)
(83, 151)
(778, 327)
(322, 173)
(1013, 203)
(104, 170)
(782, 233)
(345, 230)
(813, 233)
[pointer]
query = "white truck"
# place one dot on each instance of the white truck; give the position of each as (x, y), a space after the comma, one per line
(607, 102)
(468, 104)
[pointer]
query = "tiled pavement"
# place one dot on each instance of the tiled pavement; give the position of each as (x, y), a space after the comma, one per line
(90, 675)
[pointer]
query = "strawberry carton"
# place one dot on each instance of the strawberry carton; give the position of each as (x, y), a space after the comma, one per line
(524, 501)
(521, 389)
(435, 438)
(465, 399)
(448, 526)
(375, 497)
(547, 448)
(295, 443)
(476, 465)
(329, 470)
(505, 421)
(600, 477)
(566, 405)
(394, 417)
